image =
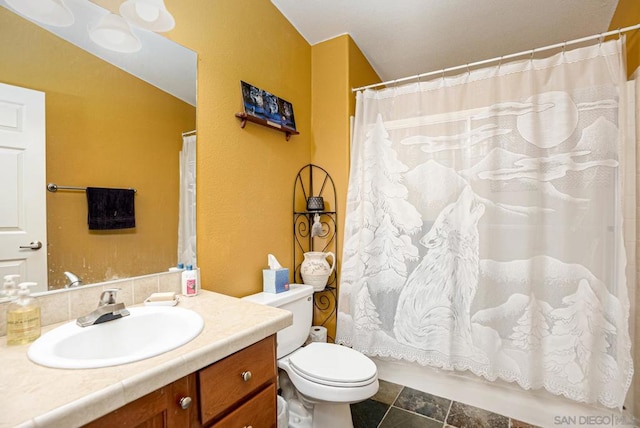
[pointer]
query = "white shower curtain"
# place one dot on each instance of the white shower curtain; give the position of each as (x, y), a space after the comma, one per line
(484, 225)
(187, 214)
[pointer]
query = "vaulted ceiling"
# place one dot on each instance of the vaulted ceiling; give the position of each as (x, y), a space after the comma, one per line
(407, 37)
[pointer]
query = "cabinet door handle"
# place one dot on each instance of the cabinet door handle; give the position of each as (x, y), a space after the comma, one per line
(246, 376)
(185, 403)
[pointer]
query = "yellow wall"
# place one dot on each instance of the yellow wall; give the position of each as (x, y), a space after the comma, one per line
(244, 176)
(337, 66)
(628, 14)
(103, 128)
(330, 115)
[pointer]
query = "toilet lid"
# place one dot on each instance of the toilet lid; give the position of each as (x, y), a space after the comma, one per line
(334, 365)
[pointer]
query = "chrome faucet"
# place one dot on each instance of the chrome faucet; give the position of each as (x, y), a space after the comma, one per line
(108, 309)
(74, 281)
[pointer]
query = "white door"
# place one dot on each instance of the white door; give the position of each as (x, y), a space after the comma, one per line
(23, 223)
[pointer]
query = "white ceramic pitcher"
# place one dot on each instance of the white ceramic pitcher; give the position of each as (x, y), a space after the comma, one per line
(315, 269)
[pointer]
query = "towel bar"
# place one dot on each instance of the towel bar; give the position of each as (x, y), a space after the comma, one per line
(52, 187)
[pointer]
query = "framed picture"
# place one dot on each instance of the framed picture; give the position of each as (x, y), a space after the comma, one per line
(253, 101)
(266, 106)
(285, 108)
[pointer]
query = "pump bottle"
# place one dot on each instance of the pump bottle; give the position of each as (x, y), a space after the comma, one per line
(9, 289)
(23, 317)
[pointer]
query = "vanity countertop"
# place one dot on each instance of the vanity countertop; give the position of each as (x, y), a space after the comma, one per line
(36, 396)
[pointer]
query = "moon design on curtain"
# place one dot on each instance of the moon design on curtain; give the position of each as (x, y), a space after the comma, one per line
(484, 225)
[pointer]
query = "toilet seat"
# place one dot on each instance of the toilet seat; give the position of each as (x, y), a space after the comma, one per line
(333, 365)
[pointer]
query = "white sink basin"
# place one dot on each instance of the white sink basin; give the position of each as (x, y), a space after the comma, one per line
(147, 332)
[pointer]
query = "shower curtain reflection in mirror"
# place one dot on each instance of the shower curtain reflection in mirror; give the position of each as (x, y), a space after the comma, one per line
(187, 215)
(484, 225)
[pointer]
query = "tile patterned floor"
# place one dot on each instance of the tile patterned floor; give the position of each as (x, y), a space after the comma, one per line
(397, 406)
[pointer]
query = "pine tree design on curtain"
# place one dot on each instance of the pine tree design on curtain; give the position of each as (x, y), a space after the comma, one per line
(385, 239)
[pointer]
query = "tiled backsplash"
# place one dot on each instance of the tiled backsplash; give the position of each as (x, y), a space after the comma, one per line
(70, 303)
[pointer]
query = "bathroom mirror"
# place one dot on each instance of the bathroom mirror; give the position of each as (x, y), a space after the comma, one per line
(104, 128)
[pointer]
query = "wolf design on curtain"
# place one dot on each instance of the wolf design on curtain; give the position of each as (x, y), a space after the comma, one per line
(484, 225)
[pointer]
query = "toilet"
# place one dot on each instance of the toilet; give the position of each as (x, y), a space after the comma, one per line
(319, 380)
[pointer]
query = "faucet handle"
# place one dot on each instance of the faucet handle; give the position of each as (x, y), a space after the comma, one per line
(108, 296)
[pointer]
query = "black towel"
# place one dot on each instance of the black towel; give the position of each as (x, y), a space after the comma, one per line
(110, 208)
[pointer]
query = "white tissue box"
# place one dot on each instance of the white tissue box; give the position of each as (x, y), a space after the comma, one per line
(275, 280)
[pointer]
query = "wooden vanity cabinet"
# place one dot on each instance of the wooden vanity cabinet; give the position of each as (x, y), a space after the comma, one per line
(235, 392)
(240, 390)
(161, 408)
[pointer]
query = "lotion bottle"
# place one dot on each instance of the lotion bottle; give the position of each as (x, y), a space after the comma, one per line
(23, 317)
(189, 282)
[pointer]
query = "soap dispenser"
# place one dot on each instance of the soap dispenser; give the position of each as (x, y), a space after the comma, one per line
(9, 289)
(23, 317)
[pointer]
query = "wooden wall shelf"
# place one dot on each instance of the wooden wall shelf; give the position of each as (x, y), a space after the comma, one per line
(244, 118)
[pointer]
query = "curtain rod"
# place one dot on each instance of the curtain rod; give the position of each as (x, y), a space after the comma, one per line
(501, 58)
(186, 134)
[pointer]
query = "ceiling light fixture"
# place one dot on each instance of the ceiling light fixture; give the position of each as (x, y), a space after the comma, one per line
(48, 12)
(114, 33)
(150, 15)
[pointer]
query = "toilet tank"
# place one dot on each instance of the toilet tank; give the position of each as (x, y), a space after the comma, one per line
(299, 301)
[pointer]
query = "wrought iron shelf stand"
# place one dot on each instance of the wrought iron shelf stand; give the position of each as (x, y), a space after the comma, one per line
(313, 180)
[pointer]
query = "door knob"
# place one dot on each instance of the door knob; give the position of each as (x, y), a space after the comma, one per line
(32, 246)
